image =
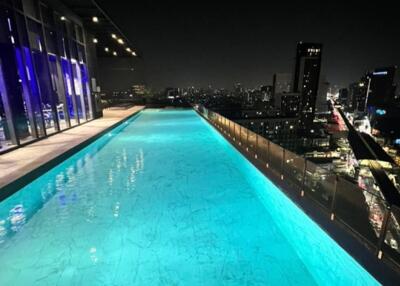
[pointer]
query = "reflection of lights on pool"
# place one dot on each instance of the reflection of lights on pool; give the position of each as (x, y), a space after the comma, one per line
(17, 217)
(3, 230)
(93, 256)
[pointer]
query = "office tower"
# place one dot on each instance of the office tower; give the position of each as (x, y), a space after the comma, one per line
(343, 96)
(306, 78)
(267, 93)
(287, 103)
(382, 87)
(282, 83)
(321, 103)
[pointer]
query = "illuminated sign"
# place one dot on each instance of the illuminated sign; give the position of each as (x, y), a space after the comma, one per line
(380, 73)
(380, 111)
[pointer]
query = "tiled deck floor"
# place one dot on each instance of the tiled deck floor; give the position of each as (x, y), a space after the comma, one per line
(21, 161)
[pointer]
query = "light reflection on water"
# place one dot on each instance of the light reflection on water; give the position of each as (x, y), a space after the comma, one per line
(163, 204)
(21, 207)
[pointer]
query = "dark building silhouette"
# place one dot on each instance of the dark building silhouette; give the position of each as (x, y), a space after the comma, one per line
(382, 87)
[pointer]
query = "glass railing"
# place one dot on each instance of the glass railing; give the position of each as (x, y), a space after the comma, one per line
(366, 215)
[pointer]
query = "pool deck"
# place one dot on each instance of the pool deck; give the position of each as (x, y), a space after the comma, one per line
(21, 162)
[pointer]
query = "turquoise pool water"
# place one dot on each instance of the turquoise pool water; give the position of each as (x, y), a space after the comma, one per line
(164, 200)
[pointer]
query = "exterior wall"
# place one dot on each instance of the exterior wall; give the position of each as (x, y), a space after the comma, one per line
(45, 82)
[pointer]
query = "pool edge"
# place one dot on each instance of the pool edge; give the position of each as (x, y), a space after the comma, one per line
(14, 186)
(382, 270)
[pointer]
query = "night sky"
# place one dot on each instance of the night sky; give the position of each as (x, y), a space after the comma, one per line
(202, 43)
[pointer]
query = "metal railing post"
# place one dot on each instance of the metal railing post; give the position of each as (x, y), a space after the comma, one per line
(382, 233)
(332, 208)
(240, 135)
(303, 182)
(247, 139)
(283, 163)
(256, 147)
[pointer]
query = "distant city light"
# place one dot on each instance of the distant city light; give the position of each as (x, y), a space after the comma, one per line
(361, 84)
(95, 19)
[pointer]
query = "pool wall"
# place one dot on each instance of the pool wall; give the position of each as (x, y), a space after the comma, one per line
(384, 270)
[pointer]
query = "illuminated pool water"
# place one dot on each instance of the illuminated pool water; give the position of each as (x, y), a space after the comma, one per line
(164, 200)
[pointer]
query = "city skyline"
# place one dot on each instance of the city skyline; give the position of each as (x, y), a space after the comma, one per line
(220, 44)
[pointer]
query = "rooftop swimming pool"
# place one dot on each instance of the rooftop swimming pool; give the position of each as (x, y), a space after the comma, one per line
(164, 200)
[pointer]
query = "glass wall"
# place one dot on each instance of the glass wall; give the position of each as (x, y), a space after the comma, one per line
(44, 80)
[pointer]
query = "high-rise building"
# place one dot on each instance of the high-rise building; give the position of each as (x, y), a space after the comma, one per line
(288, 104)
(321, 103)
(382, 87)
(282, 83)
(343, 96)
(306, 78)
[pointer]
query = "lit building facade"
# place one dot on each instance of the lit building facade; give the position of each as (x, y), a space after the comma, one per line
(306, 78)
(48, 57)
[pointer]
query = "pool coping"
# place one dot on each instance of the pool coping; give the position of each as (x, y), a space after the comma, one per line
(382, 270)
(13, 186)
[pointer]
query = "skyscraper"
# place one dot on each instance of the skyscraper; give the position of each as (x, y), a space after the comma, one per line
(382, 87)
(282, 82)
(306, 78)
